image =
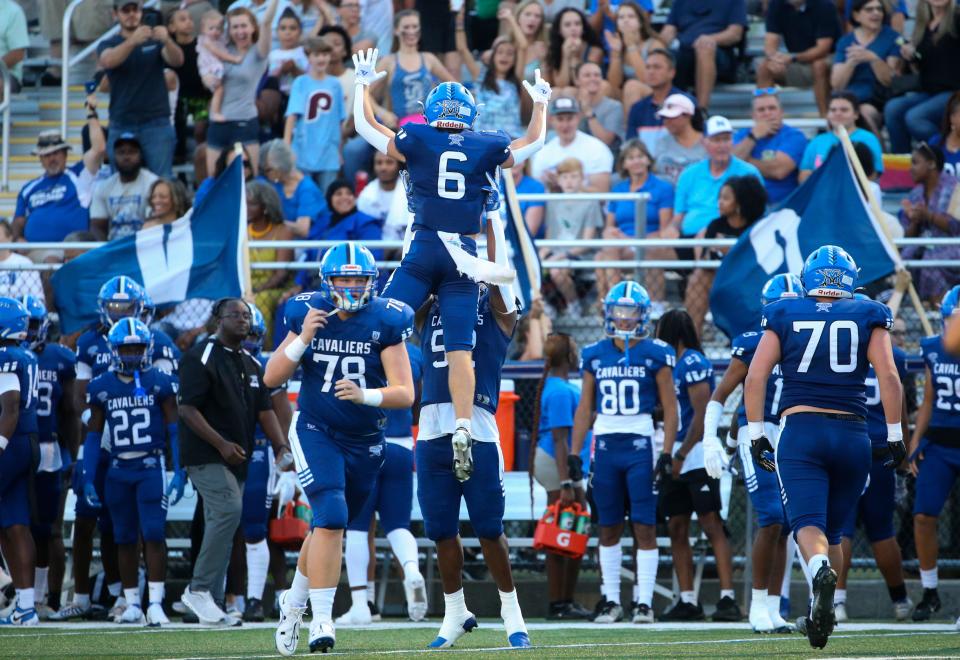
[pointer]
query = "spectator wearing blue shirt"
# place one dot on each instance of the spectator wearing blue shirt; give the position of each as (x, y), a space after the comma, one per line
(552, 465)
(866, 60)
(708, 31)
(771, 146)
(315, 114)
(798, 45)
(633, 164)
(300, 197)
(948, 139)
(842, 111)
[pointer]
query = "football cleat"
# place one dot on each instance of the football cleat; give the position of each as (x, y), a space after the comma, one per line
(820, 622)
(683, 611)
(453, 629)
(322, 636)
(132, 614)
(902, 609)
(374, 611)
(642, 613)
(928, 605)
(156, 617)
(607, 612)
(253, 611)
(416, 591)
(19, 617)
(70, 611)
(356, 616)
(840, 611)
(462, 454)
(760, 619)
(519, 640)
(287, 635)
(727, 610)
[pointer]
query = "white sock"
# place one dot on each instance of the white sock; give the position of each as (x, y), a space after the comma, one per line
(788, 569)
(816, 562)
(258, 560)
(358, 598)
(82, 600)
(929, 579)
(155, 592)
(321, 600)
(25, 599)
(611, 561)
(728, 593)
(454, 605)
(40, 582)
(758, 598)
(132, 596)
(357, 558)
(510, 611)
(689, 597)
(114, 588)
(404, 546)
(840, 596)
(647, 563)
(372, 591)
(463, 423)
(299, 590)
(773, 608)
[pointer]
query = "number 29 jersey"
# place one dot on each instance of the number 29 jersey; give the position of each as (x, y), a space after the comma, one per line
(22, 364)
(945, 374)
(346, 349)
(448, 171)
(626, 392)
(823, 348)
(135, 421)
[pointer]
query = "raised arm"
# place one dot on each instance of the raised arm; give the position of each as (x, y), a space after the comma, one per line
(523, 148)
(266, 30)
(376, 134)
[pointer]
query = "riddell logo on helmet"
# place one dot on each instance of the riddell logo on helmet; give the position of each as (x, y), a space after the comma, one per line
(448, 124)
(351, 268)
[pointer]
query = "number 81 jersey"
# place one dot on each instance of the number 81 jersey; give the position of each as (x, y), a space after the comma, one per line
(135, 421)
(346, 348)
(626, 384)
(945, 381)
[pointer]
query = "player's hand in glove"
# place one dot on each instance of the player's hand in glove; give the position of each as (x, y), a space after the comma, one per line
(539, 91)
(177, 486)
(286, 489)
(574, 467)
(365, 66)
(90, 495)
(898, 452)
(492, 201)
(663, 471)
(762, 452)
(713, 457)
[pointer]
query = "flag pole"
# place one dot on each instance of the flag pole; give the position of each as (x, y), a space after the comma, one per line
(245, 271)
(510, 188)
(903, 283)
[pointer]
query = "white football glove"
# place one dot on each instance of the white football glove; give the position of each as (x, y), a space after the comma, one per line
(539, 91)
(285, 490)
(713, 457)
(365, 65)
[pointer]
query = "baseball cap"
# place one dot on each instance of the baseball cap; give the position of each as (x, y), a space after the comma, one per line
(718, 124)
(128, 137)
(676, 105)
(563, 105)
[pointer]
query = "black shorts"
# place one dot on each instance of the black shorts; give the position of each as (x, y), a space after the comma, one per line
(222, 134)
(726, 59)
(693, 491)
(437, 30)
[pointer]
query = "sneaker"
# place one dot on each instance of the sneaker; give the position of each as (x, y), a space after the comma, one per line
(760, 619)
(820, 622)
(202, 605)
(119, 606)
(578, 611)
(840, 611)
(322, 636)
(132, 614)
(519, 640)
(179, 608)
(452, 629)
(254, 611)
(902, 608)
(44, 611)
(358, 615)
(156, 617)
(683, 611)
(287, 635)
(929, 604)
(642, 613)
(19, 617)
(727, 610)
(374, 611)
(233, 610)
(462, 454)
(607, 612)
(416, 592)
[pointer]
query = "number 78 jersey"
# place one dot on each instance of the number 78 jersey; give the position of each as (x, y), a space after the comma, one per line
(945, 380)
(823, 348)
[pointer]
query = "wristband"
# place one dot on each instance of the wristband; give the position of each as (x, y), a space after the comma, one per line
(295, 349)
(93, 115)
(755, 429)
(3, 442)
(567, 483)
(894, 432)
(372, 397)
(732, 442)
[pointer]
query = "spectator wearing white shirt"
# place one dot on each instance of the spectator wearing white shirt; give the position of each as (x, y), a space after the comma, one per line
(121, 203)
(384, 198)
(13, 41)
(570, 142)
(16, 283)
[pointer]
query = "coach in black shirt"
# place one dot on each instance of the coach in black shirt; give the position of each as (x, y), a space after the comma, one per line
(222, 398)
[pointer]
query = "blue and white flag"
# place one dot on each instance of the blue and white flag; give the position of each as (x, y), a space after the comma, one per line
(829, 208)
(196, 256)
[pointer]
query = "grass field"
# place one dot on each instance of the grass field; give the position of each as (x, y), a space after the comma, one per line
(551, 640)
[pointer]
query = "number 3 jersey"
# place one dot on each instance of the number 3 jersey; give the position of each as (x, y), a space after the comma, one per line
(20, 364)
(135, 419)
(448, 171)
(346, 349)
(945, 374)
(823, 348)
(626, 392)
(57, 366)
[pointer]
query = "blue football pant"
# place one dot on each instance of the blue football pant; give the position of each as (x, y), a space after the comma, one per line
(392, 494)
(939, 470)
(623, 472)
(138, 504)
(256, 499)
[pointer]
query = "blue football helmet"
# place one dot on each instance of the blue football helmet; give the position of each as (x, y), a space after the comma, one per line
(348, 259)
(450, 105)
(253, 344)
(949, 303)
(120, 297)
(14, 319)
(625, 311)
(131, 345)
(149, 309)
(780, 286)
(830, 272)
(38, 322)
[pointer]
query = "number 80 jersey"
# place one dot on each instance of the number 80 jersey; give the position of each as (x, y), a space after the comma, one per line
(626, 392)
(823, 348)
(945, 380)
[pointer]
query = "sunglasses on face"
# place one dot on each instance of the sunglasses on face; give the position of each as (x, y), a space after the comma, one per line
(766, 91)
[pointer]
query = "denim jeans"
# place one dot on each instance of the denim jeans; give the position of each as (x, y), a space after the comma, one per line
(915, 115)
(157, 139)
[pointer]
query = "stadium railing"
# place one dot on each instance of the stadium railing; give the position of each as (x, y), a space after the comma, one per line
(5, 109)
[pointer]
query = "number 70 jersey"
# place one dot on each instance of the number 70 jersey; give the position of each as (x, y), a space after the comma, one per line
(823, 348)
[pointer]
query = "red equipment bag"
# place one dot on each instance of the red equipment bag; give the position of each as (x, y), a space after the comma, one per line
(292, 525)
(563, 531)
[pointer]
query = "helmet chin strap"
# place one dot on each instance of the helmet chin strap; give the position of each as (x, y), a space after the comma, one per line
(137, 385)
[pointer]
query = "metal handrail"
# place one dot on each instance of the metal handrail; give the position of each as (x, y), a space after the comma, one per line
(5, 109)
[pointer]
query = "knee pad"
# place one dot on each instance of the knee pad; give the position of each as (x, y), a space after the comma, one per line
(329, 509)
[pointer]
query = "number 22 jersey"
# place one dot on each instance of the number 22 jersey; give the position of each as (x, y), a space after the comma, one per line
(135, 420)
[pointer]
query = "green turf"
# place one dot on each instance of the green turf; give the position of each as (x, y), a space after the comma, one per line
(591, 643)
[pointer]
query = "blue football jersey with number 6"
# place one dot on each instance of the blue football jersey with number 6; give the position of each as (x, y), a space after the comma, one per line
(23, 364)
(626, 384)
(945, 380)
(823, 347)
(135, 419)
(448, 171)
(346, 349)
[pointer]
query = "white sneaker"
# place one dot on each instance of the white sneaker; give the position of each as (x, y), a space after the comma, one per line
(287, 635)
(132, 614)
(357, 615)
(322, 636)
(156, 617)
(760, 619)
(70, 611)
(19, 617)
(840, 611)
(119, 607)
(416, 591)
(462, 454)
(902, 609)
(642, 613)
(202, 604)
(44, 611)
(179, 607)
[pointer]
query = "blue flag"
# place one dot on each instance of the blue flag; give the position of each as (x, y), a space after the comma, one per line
(196, 256)
(829, 208)
(523, 251)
